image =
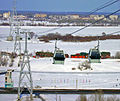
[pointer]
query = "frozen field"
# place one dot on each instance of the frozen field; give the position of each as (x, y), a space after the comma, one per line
(69, 47)
(45, 64)
(41, 30)
(45, 74)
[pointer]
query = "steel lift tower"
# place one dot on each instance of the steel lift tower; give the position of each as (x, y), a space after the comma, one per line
(16, 30)
(12, 21)
(25, 78)
(17, 45)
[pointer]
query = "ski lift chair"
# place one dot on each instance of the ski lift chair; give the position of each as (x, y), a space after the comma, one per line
(94, 55)
(58, 57)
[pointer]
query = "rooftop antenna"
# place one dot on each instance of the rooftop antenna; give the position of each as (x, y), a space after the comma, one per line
(25, 72)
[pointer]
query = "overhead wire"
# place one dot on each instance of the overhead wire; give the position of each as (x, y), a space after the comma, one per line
(111, 33)
(109, 3)
(114, 33)
(50, 30)
(95, 21)
(103, 6)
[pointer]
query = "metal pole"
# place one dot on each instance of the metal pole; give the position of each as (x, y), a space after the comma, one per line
(98, 42)
(56, 97)
(59, 98)
(76, 83)
(56, 44)
(25, 41)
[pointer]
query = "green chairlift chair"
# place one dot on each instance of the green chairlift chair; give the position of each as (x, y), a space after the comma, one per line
(94, 55)
(59, 56)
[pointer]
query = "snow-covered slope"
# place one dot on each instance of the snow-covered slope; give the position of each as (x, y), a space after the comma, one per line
(45, 64)
(69, 47)
(42, 30)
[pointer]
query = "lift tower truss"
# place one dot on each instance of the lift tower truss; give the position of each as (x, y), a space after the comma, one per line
(16, 31)
(13, 17)
(25, 78)
(17, 44)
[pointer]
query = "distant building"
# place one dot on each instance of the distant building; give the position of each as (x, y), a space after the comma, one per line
(74, 16)
(20, 17)
(94, 16)
(98, 17)
(6, 15)
(40, 15)
(0, 15)
(60, 17)
(85, 18)
(64, 17)
(113, 17)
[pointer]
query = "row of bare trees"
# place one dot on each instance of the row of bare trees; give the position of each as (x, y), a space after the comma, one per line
(71, 38)
(98, 97)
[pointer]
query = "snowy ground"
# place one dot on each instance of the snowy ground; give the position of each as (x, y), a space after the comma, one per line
(69, 47)
(45, 65)
(47, 74)
(41, 30)
(59, 97)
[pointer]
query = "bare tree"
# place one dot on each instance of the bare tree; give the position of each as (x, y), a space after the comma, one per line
(117, 55)
(84, 65)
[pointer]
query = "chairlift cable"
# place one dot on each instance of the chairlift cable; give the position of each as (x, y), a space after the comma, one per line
(93, 11)
(113, 33)
(103, 6)
(94, 22)
(49, 30)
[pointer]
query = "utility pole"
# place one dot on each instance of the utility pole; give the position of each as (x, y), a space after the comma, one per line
(25, 72)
